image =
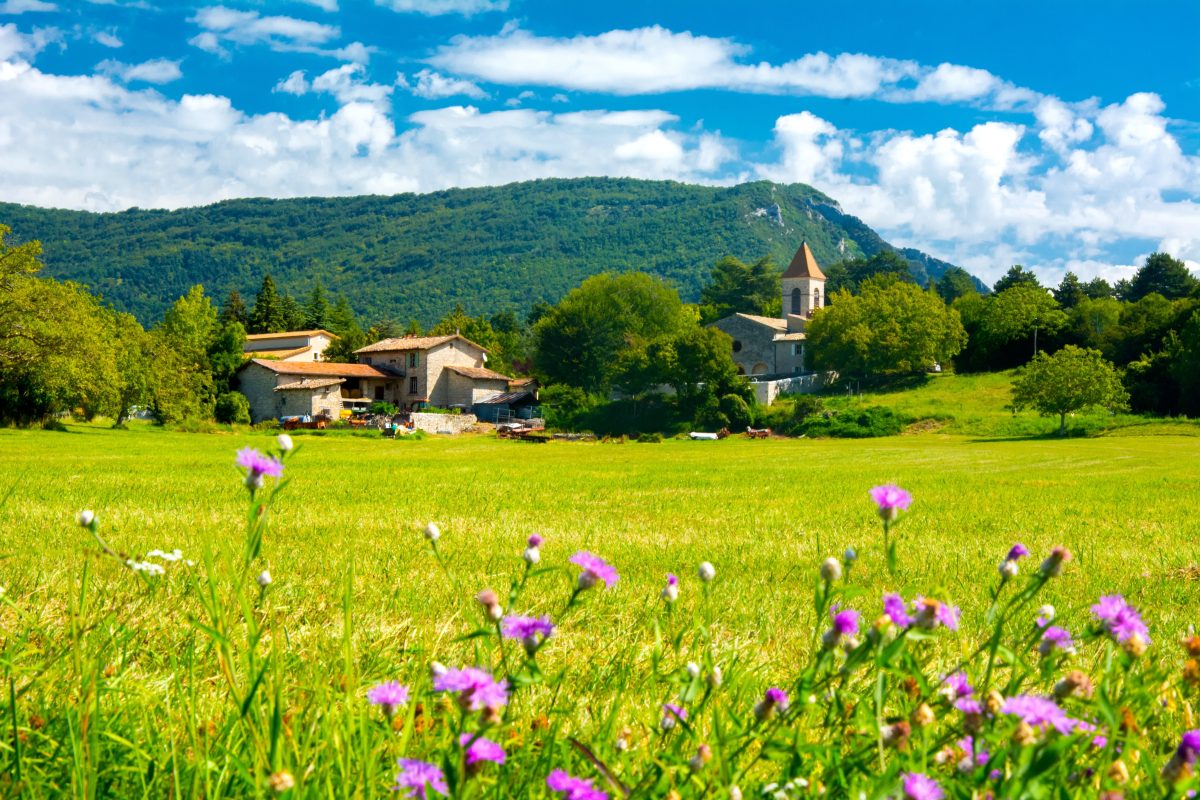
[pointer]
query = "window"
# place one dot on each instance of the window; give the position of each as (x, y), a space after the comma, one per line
(413, 360)
(316, 356)
(795, 349)
(378, 392)
(412, 385)
(795, 301)
(816, 298)
(737, 346)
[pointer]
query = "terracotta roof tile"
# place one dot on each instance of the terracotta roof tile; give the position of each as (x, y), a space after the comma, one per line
(480, 373)
(401, 343)
(324, 368)
(258, 337)
(804, 265)
(777, 323)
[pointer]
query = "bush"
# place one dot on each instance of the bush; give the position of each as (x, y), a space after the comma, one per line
(650, 438)
(565, 406)
(736, 410)
(383, 407)
(709, 415)
(232, 408)
(863, 423)
(805, 406)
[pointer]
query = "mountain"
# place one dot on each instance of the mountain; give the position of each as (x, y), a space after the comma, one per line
(411, 255)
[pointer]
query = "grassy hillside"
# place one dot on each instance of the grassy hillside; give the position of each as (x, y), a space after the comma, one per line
(405, 256)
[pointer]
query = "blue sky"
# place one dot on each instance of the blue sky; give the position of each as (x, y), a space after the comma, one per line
(1061, 135)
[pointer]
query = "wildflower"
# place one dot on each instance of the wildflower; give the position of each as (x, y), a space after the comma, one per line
(932, 613)
(1118, 772)
(622, 743)
(572, 788)
(1120, 619)
(672, 713)
(257, 467)
(968, 705)
(896, 735)
(147, 567)
(831, 570)
(1008, 569)
(734, 792)
(595, 570)
(994, 702)
(891, 500)
(774, 699)
(1045, 615)
(714, 677)
(706, 571)
(432, 531)
(480, 749)
(418, 777)
(532, 631)
(1181, 765)
(85, 518)
(973, 756)
(693, 670)
(437, 669)
(171, 557)
(1052, 567)
(389, 696)
(702, 757)
(1075, 683)
(670, 592)
(1017, 551)
(491, 604)
(532, 554)
(894, 608)
(281, 782)
(918, 786)
(923, 716)
(1039, 712)
(264, 579)
(1056, 638)
(845, 627)
(850, 556)
(955, 685)
(285, 443)
(477, 690)
(1024, 735)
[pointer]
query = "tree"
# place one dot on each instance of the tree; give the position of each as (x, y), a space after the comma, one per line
(342, 318)
(413, 328)
(232, 408)
(1068, 381)
(342, 349)
(956, 282)
(1098, 288)
(1070, 291)
(1092, 321)
(267, 316)
(316, 309)
(1161, 274)
(737, 287)
(226, 354)
(891, 327)
(1016, 276)
(292, 313)
(234, 310)
(135, 363)
(188, 329)
(853, 273)
(1012, 322)
(578, 341)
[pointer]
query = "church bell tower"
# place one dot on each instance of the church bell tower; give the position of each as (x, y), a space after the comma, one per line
(803, 285)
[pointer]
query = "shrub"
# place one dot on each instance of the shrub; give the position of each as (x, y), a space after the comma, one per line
(565, 406)
(805, 406)
(736, 410)
(854, 424)
(650, 438)
(232, 408)
(383, 407)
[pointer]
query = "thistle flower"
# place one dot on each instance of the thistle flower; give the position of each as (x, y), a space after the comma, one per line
(572, 788)
(956, 685)
(670, 592)
(477, 690)
(844, 629)
(1045, 615)
(1059, 556)
(706, 571)
(479, 750)
(258, 466)
(389, 696)
(1056, 638)
(897, 612)
(595, 570)
(702, 757)
(1039, 712)
(919, 786)
(973, 755)
(491, 604)
(891, 500)
(1076, 682)
(831, 570)
(774, 699)
(285, 443)
(416, 778)
(531, 631)
(1120, 619)
(671, 714)
(432, 531)
(85, 518)
(932, 613)
(896, 735)
(1017, 551)
(1181, 765)
(1008, 569)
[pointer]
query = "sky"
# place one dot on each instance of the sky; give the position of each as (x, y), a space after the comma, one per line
(1057, 134)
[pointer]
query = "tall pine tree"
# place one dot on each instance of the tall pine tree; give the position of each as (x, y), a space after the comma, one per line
(316, 309)
(234, 310)
(268, 309)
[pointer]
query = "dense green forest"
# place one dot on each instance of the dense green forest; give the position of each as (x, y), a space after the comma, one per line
(417, 256)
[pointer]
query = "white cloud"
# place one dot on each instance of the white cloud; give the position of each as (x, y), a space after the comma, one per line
(296, 84)
(434, 8)
(324, 5)
(432, 85)
(158, 70)
(221, 25)
(15, 45)
(348, 84)
(24, 6)
(107, 39)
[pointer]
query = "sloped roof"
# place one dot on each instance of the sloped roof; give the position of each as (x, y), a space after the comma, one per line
(402, 343)
(258, 337)
(309, 383)
(327, 369)
(797, 336)
(777, 323)
(479, 373)
(804, 265)
(295, 351)
(505, 398)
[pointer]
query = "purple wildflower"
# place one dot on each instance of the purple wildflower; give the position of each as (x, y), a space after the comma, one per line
(968, 705)
(957, 685)
(418, 777)
(948, 615)
(1189, 747)
(932, 613)
(891, 497)
(975, 758)
(894, 608)
(573, 788)
(389, 696)
(257, 465)
(1018, 550)
(672, 580)
(514, 627)
(595, 569)
(671, 714)
(1056, 638)
(777, 697)
(844, 622)
(477, 689)
(918, 786)
(1120, 619)
(480, 749)
(535, 540)
(1039, 712)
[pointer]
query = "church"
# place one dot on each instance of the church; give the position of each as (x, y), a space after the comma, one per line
(774, 347)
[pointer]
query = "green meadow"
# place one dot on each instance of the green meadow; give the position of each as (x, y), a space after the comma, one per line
(120, 681)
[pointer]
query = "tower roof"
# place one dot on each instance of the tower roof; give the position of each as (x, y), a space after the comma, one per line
(804, 265)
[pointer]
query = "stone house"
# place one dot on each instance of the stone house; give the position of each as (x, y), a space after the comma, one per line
(444, 371)
(775, 346)
(304, 388)
(290, 345)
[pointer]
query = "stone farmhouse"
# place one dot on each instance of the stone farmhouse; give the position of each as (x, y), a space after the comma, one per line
(410, 372)
(769, 347)
(289, 346)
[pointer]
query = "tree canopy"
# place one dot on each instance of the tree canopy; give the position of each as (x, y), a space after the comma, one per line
(1164, 275)
(736, 287)
(1068, 381)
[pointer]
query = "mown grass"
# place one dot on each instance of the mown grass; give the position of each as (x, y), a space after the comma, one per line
(358, 598)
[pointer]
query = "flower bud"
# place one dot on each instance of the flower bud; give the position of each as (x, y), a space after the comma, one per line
(85, 518)
(896, 735)
(437, 669)
(285, 442)
(281, 782)
(1009, 569)
(1136, 645)
(714, 677)
(531, 555)
(491, 604)
(923, 716)
(1118, 772)
(849, 556)
(1024, 735)
(622, 743)
(432, 531)
(831, 570)
(670, 593)
(490, 715)
(1046, 614)
(693, 670)
(702, 757)
(1076, 682)
(264, 579)
(706, 571)
(994, 702)
(734, 792)
(1059, 556)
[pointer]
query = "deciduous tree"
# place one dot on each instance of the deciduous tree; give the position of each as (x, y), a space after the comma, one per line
(1068, 381)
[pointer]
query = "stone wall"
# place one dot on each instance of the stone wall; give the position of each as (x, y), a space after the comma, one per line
(443, 423)
(753, 348)
(767, 391)
(258, 384)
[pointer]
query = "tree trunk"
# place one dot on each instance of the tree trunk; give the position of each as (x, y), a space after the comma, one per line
(1062, 424)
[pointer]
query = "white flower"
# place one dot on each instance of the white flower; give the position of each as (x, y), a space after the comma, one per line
(1009, 569)
(831, 570)
(285, 442)
(693, 669)
(437, 669)
(532, 555)
(432, 531)
(714, 678)
(85, 518)
(146, 567)
(1046, 613)
(174, 555)
(670, 593)
(706, 571)
(264, 579)
(735, 793)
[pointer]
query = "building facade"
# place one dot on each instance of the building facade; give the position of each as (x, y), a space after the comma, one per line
(279, 389)
(444, 371)
(289, 346)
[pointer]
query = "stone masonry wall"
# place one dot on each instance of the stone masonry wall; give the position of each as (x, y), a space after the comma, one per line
(443, 423)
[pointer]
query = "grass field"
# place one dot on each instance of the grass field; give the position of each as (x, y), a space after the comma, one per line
(357, 596)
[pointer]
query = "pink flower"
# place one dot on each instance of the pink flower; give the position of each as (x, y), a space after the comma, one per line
(573, 788)
(418, 777)
(390, 696)
(257, 465)
(480, 749)
(595, 570)
(891, 500)
(894, 608)
(476, 689)
(918, 786)
(1120, 619)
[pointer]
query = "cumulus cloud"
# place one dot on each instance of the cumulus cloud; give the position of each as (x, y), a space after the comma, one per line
(15, 45)
(431, 85)
(24, 6)
(107, 39)
(221, 25)
(435, 8)
(324, 5)
(158, 70)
